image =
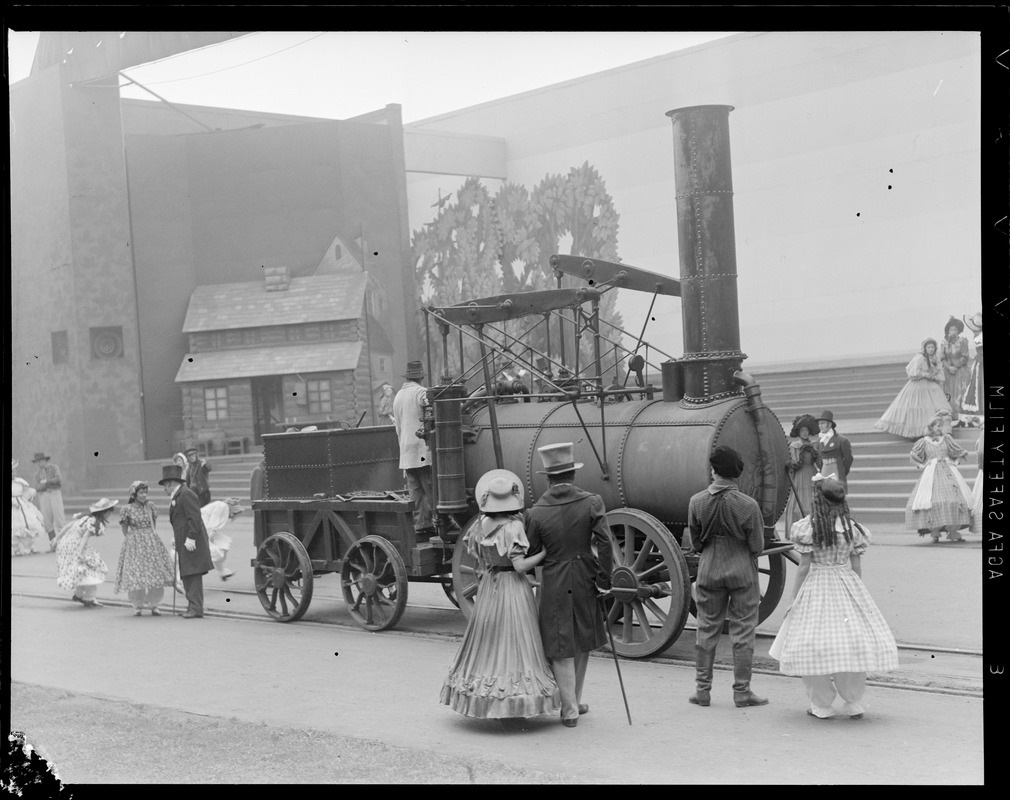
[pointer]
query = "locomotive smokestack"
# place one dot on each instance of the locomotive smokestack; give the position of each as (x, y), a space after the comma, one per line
(708, 274)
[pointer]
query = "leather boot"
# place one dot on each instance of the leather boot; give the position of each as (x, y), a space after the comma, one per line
(743, 658)
(704, 660)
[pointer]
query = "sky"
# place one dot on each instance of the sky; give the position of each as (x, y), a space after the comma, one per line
(337, 75)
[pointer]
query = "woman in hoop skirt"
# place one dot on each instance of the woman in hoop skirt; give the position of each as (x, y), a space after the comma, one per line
(941, 500)
(833, 633)
(500, 669)
(919, 399)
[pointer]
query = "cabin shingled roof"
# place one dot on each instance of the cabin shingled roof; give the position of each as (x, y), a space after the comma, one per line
(314, 298)
(256, 362)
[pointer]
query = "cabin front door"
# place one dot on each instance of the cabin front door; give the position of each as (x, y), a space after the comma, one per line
(268, 406)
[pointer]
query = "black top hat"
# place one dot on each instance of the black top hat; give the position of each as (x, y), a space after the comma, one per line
(415, 371)
(827, 416)
(171, 472)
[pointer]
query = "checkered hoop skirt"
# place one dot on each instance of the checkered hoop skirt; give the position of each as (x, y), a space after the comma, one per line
(834, 626)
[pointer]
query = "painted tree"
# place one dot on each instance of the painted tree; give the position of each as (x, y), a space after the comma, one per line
(480, 246)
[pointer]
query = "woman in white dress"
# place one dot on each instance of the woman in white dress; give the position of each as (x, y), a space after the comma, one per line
(833, 633)
(28, 528)
(216, 515)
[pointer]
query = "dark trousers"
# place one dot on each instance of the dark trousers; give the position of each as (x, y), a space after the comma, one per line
(193, 586)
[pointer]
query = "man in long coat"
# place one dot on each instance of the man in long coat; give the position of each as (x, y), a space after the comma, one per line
(415, 456)
(726, 527)
(566, 522)
(833, 448)
(192, 546)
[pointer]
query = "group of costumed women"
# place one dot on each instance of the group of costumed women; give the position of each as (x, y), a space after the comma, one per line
(941, 377)
(144, 568)
(944, 391)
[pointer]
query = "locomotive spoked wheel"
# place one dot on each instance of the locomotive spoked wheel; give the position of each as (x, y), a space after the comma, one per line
(450, 590)
(374, 582)
(772, 579)
(283, 577)
(650, 583)
(464, 573)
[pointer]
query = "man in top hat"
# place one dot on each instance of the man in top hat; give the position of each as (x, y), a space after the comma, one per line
(834, 452)
(198, 475)
(192, 547)
(566, 522)
(48, 483)
(415, 456)
(726, 527)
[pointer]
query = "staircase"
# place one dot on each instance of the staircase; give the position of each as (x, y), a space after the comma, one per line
(882, 476)
(229, 477)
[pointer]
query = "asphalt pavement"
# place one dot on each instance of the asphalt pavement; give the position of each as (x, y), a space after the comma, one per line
(325, 673)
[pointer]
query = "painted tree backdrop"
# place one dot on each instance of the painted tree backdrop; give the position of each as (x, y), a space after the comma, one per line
(482, 245)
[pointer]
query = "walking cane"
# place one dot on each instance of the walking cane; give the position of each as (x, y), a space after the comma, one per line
(610, 637)
(793, 485)
(175, 573)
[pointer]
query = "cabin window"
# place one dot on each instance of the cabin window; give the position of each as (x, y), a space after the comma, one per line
(215, 400)
(320, 397)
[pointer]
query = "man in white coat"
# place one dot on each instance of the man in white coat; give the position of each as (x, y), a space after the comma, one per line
(415, 457)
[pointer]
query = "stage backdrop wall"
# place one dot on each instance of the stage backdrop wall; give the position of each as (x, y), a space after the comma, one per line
(856, 171)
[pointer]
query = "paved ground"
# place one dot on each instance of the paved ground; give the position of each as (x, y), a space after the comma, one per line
(327, 676)
(384, 688)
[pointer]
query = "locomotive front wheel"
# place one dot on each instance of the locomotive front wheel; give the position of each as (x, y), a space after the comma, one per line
(283, 577)
(374, 582)
(650, 582)
(464, 573)
(772, 580)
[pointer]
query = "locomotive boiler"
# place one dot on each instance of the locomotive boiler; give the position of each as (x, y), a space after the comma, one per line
(646, 455)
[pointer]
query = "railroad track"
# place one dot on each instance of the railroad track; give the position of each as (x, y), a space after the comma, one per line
(902, 679)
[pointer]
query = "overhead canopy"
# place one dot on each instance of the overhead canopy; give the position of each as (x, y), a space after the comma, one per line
(92, 54)
(262, 361)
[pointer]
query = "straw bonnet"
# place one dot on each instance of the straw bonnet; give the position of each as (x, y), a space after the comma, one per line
(102, 505)
(558, 458)
(499, 490)
(234, 507)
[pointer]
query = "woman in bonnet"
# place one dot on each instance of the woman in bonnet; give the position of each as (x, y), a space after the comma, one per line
(920, 398)
(500, 669)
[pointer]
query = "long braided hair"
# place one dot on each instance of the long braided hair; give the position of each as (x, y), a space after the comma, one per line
(828, 505)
